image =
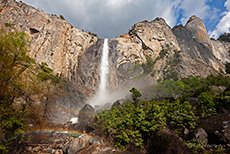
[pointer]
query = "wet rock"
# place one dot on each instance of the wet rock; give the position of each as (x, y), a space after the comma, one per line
(201, 135)
(86, 114)
(117, 104)
(94, 141)
(226, 130)
(168, 143)
(37, 149)
(217, 128)
(186, 131)
(76, 144)
(107, 106)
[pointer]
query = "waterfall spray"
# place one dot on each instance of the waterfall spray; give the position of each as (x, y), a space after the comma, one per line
(102, 95)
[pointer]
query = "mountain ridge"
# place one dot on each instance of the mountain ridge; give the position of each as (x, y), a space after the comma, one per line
(151, 51)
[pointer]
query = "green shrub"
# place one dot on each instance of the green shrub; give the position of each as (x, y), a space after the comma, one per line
(223, 100)
(130, 124)
(206, 105)
(171, 75)
(148, 67)
(227, 68)
(180, 115)
(62, 17)
(224, 37)
(9, 24)
(169, 88)
(135, 95)
(163, 53)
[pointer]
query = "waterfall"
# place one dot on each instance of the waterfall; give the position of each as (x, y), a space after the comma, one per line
(102, 96)
(104, 68)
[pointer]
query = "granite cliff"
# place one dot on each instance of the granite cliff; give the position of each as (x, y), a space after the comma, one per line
(151, 51)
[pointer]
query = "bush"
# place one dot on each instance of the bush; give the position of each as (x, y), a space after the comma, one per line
(62, 17)
(180, 115)
(223, 100)
(227, 68)
(168, 88)
(206, 106)
(224, 37)
(130, 124)
(9, 24)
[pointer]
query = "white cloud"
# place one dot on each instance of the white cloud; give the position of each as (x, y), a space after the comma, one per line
(192, 7)
(227, 4)
(224, 24)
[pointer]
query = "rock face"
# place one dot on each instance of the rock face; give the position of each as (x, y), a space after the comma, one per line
(53, 40)
(149, 52)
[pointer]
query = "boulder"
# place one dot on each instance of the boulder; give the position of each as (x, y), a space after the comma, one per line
(75, 144)
(168, 143)
(86, 114)
(201, 136)
(217, 128)
(117, 104)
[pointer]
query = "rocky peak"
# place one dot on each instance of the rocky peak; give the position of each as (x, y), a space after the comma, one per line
(198, 30)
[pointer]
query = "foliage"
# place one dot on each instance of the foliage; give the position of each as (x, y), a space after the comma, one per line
(62, 17)
(227, 68)
(148, 67)
(223, 100)
(130, 124)
(46, 74)
(20, 79)
(163, 53)
(8, 24)
(218, 80)
(172, 75)
(180, 115)
(135, 123)
(169, 87)
(135, 95)
(93, 34)
(206, 106)
(197, 147)
(224, 37)
(13, 63)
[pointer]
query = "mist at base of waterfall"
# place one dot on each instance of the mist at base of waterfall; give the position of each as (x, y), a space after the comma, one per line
(101, 99)
(106, 100)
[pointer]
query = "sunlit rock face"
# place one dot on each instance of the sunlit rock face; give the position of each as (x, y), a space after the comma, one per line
(151, 51)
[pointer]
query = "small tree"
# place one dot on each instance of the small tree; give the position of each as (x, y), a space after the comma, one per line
(135, 95)
(13, 63)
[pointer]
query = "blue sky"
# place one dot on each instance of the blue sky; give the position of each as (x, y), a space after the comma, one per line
(111, 18)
